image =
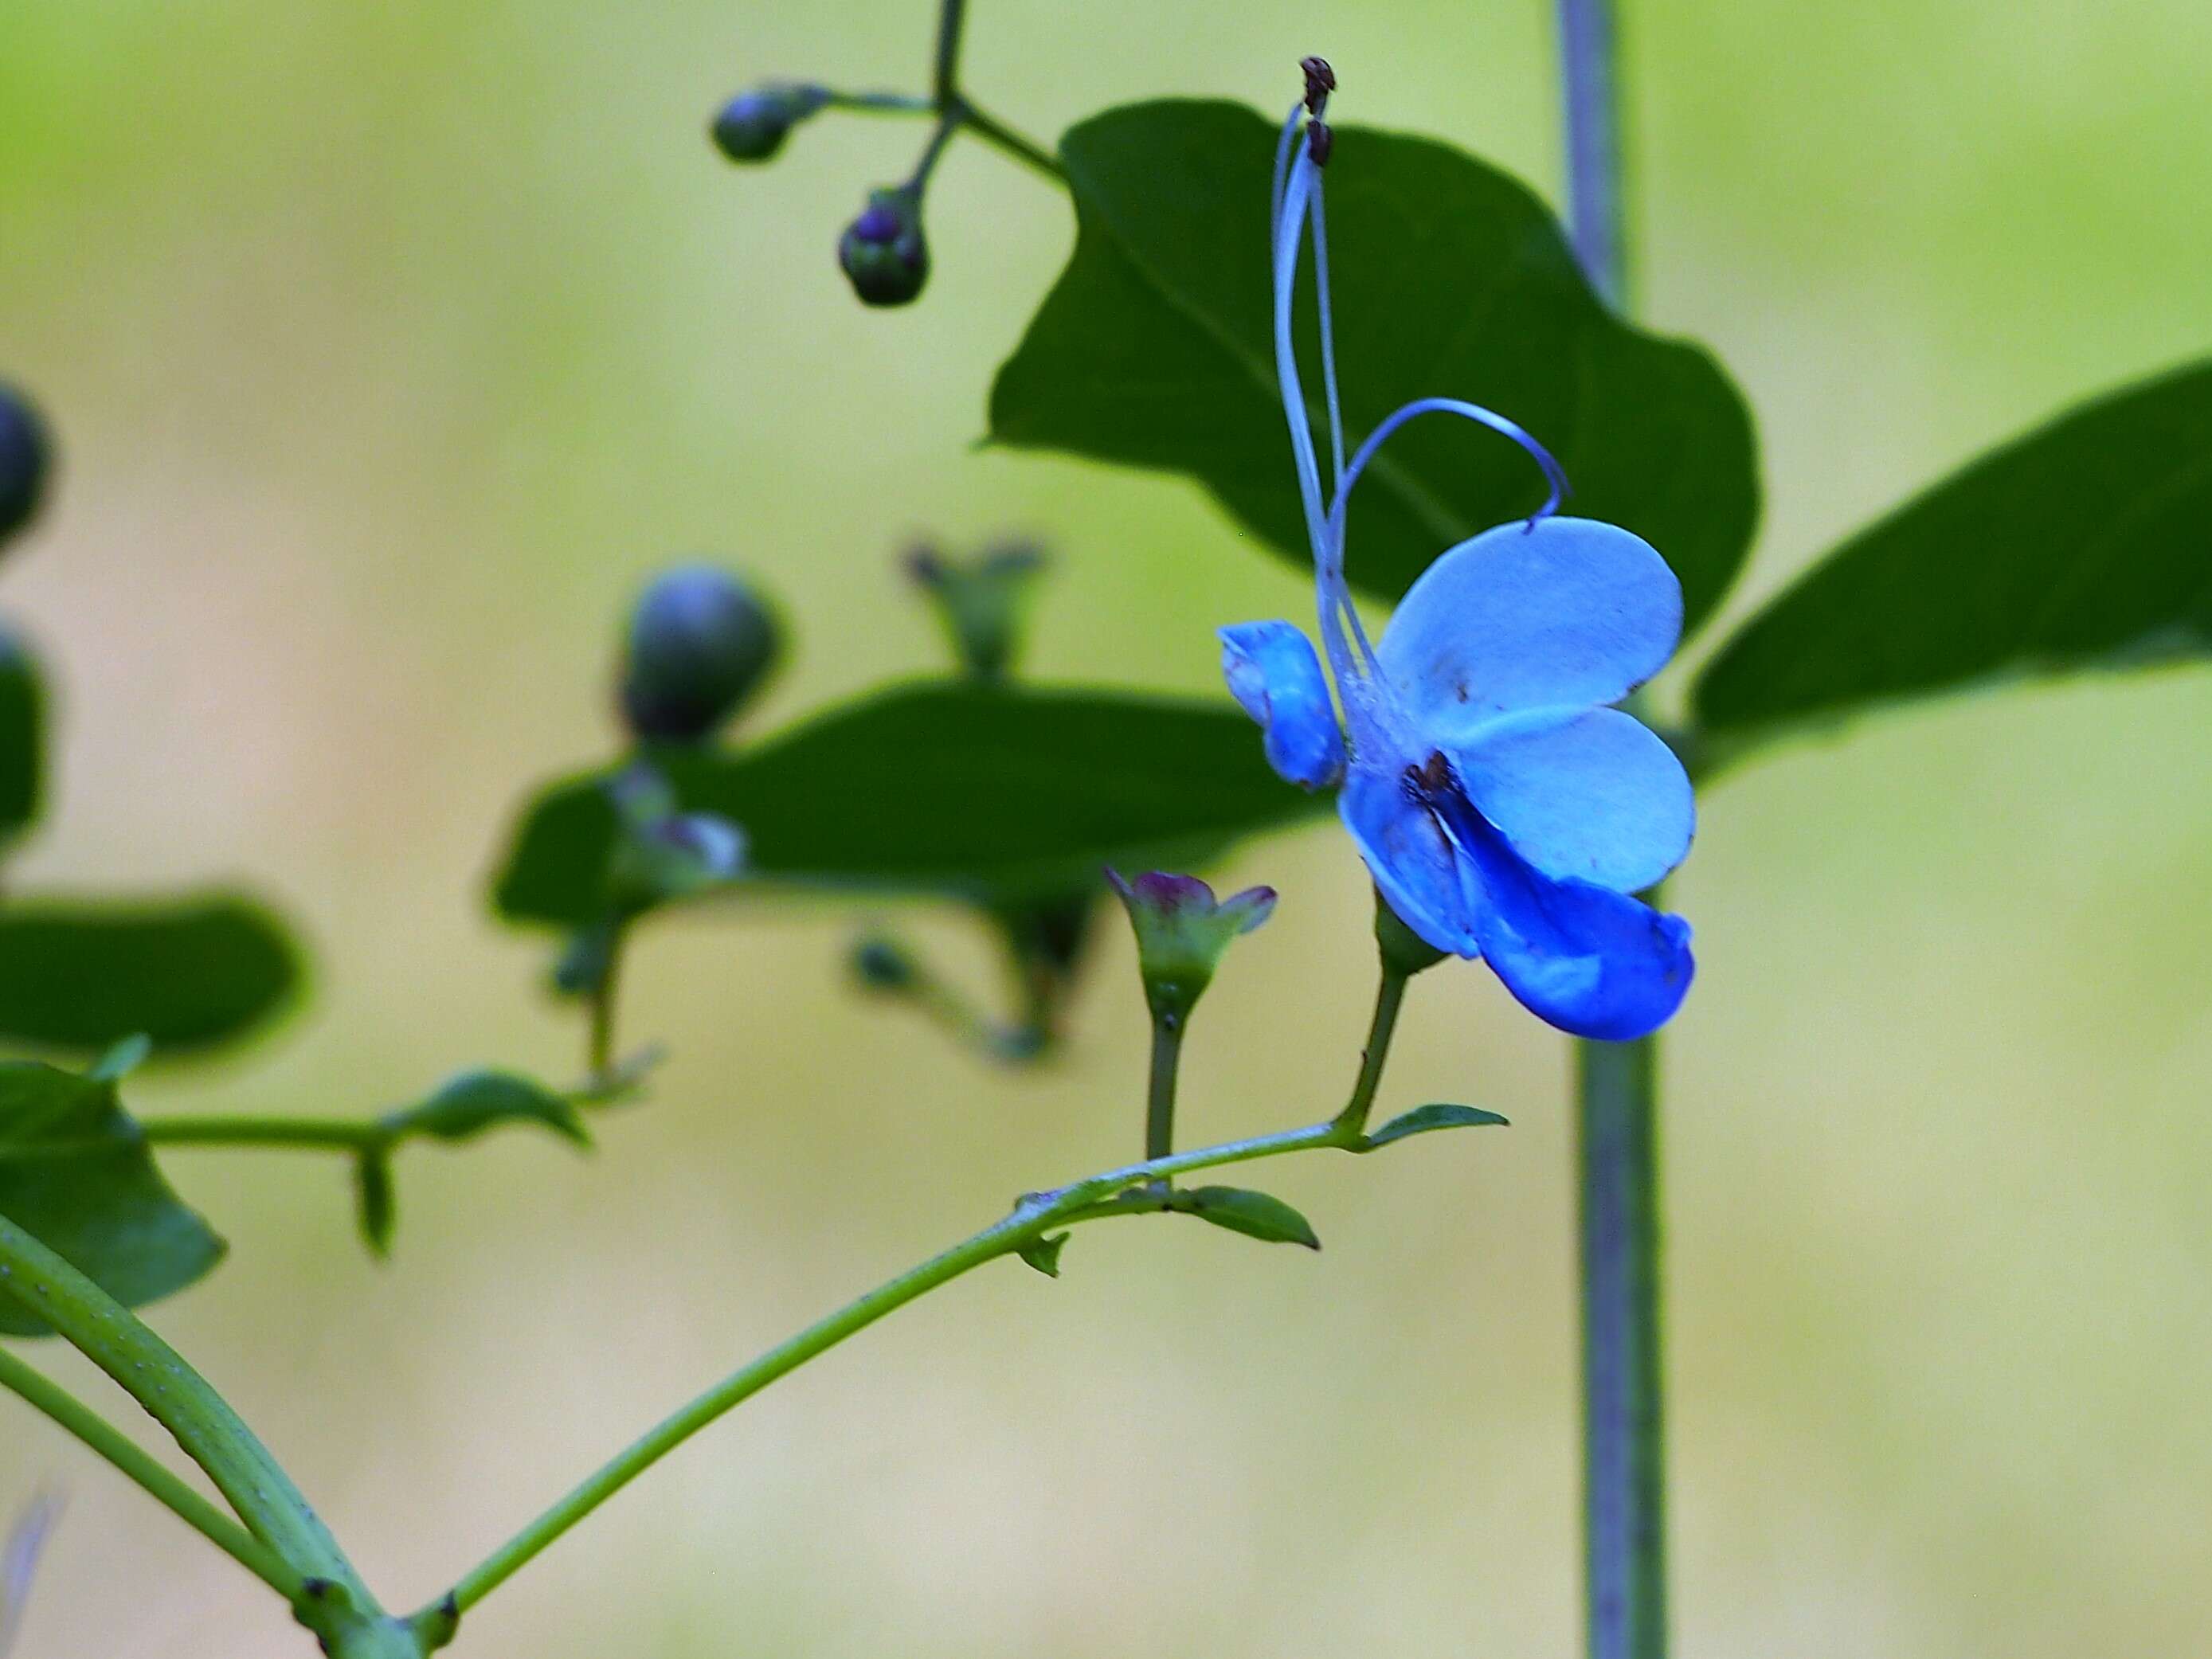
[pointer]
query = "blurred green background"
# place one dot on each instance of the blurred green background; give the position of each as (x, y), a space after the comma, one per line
(392, 346)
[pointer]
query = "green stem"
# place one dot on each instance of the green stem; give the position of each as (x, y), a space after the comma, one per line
(878, 103)
(181, 1401)
(1624, 1471)
(1160, 1094)
(1034, 1216)
(600, 1050)
(337, 1135)
(1388, 996)
(996, 133)
(944, 80)
(156, 1479)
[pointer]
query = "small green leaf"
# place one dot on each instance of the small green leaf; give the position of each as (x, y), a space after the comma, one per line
(1156, 349)
(76, 1174)
(1256, 1215)
(22, 719)
(2083, 545)
(377, 1205)
(1005, 795)
(1422, 1119)
(466, 1106)
(187, 973)
(1044, 1253)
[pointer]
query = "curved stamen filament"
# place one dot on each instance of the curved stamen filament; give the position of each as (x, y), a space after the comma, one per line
(1554, 474)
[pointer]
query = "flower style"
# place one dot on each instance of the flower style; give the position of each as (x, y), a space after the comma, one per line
(1505, 811)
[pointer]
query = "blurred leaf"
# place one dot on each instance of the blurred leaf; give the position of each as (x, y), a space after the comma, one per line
(1001, 794)
(76, 1174)
(1044, 1253)
(2085, 544)
(1450, 278)
(466, 1106)
(1256, 1215)
(22, 711)
(377, 1205)
(1422, 1119)
(82, 974)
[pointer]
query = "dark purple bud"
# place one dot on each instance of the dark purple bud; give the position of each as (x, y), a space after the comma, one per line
(701, 642)
(1321, 141)
(882, 251)
(752, 126)
(25, 455)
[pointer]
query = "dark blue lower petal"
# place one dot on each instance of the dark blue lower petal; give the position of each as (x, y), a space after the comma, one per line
(1591, 961)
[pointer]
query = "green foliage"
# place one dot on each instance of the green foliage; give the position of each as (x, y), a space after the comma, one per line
(1155, 350)
(461, 1108)
(1255, 1215)
(1044, 1255)
(74, 1174)
(22, 715)
(1001, 794)
(190, 972)
(466, 1106)
(2084, 544)
(1423, 1119)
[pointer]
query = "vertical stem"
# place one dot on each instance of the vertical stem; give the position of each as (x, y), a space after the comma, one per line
(1388, 995)
(1589, 65)
(1160, 1097)
(601, 1056)
(951, 16)
(1624, 1450)
(1624, 1471)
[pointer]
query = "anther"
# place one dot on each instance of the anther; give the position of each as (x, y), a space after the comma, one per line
(1321, 81)
(1321, 139)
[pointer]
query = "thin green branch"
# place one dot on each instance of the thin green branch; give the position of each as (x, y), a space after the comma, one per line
(155, 1478)
(181, 1401)
(1160, 1092)
(1389, 994)
(996, 133)
(335, 1135)
(1033, 1216)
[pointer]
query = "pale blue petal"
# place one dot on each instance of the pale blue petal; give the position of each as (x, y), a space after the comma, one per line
(1274, 675)
(1593, 962)
(1590, 793)
(1561, 611)
(1415, 864)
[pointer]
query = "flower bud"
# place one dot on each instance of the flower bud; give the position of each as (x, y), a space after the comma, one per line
(881, 964)
(882, 251)
(982, 601)
(661, 854)
(752, 126)
(1276, 678)
(24, 456)
(1182, 933)
(700, 641)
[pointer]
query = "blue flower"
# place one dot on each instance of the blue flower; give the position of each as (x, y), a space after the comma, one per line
(1505, 810)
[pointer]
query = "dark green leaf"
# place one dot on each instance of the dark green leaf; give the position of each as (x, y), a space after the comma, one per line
(376, 1204)
(1422, 1119)
(22, 715)
(998, 794)
(1256, 1215)
(76, 1174)
(1044, 1255)
(1450, 279)
(466, 1106)
(185, 972)
(2085, 544)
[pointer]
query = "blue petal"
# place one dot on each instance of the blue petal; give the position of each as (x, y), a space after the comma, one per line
(1272, 672)
(1564, 612)
(1413, 863)
(1591, 961)
(1590, 793)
